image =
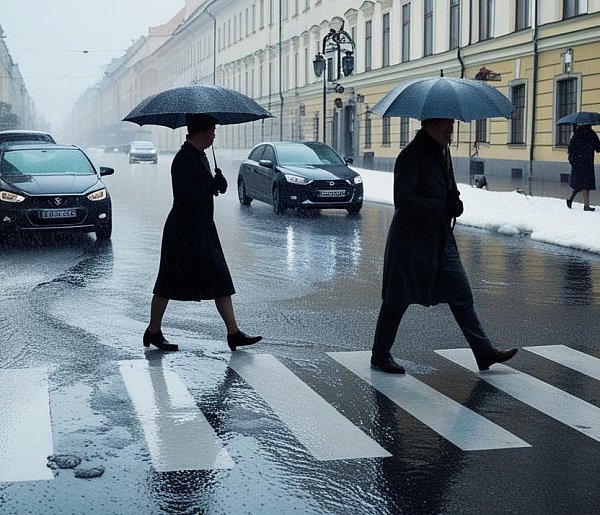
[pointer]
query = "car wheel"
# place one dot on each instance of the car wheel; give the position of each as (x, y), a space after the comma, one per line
(245, 200)
(278, 205)
(104, 231)
(354, 209)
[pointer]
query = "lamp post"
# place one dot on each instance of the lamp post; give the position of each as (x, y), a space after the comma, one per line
(334, 41)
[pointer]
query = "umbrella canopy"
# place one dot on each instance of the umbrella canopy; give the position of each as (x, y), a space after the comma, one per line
(580, 118)
(444, 97)
(169, 108)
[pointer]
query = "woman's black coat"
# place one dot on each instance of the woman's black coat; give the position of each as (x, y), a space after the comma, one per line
(192, 264)
(420, 227)
(581, 157)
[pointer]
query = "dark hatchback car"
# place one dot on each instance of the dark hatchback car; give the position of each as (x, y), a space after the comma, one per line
(299, 175)
(52, 187)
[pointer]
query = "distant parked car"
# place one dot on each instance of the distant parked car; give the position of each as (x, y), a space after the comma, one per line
(143, 151)
(299, 175)
(19, 135)
(48, 187)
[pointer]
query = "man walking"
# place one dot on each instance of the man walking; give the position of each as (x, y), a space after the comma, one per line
(422, 264)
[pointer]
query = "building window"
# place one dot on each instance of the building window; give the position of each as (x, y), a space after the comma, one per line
(306, 67)
(522, 14)
(454, 23)
(404, 128)
(574, 8)
(368, 41)
(386, 40)
(368, 134)
(428, 28)
(385, 131)
(261, 15)
(566, 103)
(517, 122)
(285, 9)
(481, 133)
(486, 11)
(330, 76)
(406, 32)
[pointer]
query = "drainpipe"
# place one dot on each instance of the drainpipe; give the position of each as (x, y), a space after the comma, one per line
(214, 81)
(534, 97)
(280, 72)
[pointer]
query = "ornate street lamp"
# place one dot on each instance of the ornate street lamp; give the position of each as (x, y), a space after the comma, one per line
(319, 65)
(338, 38)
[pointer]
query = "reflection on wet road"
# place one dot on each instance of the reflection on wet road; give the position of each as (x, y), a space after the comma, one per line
(299, 423)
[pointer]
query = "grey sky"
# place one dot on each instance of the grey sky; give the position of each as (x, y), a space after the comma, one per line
(47, 39)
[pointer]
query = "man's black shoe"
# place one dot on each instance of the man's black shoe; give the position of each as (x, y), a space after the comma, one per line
(496, 356)
(389, 366)
(158, 340)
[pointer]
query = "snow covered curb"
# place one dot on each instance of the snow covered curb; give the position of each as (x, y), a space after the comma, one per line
(542, 218)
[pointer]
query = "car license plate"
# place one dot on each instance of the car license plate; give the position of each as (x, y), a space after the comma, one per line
(331, 193)
(57, 213)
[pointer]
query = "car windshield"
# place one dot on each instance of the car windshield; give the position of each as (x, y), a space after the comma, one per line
(45, 162)
(308, 154)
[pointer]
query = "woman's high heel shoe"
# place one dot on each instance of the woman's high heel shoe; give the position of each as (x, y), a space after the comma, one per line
(241, 339)
(158, 340)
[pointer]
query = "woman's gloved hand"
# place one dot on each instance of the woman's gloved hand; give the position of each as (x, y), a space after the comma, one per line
(219, 182)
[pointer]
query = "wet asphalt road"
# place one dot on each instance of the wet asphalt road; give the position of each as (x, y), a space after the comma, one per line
(310, 284)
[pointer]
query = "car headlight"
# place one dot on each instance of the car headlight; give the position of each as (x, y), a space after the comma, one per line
(97, 195)
(296, 179)
(153, 151)
(9, 196)
(358, 179)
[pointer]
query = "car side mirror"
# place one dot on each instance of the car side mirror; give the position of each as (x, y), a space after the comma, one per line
(267, 163)
(105, 170)
(349, 160)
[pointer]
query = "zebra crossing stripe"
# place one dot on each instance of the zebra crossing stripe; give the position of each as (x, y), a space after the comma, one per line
(463, 427)
(571, 358)
(25, 429)
(548, 399)
(178, 435)
(325, 433)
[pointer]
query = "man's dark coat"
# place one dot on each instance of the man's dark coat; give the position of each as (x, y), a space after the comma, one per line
(192, 264)
(420, 228)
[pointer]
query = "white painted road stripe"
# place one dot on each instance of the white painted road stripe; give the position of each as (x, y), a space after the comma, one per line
(25, 429)
(457, 424)
(325, 433)
(571, 358)
(178, 435)
(548, 399)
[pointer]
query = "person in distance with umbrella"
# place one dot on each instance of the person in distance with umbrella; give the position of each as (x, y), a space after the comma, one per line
(581, 149)
(192, 264)
(422, 264)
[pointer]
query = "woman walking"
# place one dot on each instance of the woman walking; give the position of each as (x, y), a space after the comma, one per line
(192, 264)
(581, 157)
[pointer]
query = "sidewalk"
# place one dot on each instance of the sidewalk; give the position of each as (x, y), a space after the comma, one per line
(544, 219)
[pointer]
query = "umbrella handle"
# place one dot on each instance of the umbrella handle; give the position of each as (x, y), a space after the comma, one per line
(214, 158)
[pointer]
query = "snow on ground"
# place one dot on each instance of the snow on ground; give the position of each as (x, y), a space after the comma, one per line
(542, 218)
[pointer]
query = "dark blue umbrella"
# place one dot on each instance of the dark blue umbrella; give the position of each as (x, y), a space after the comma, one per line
(169, 108)
(444, 97)
(580, 118)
